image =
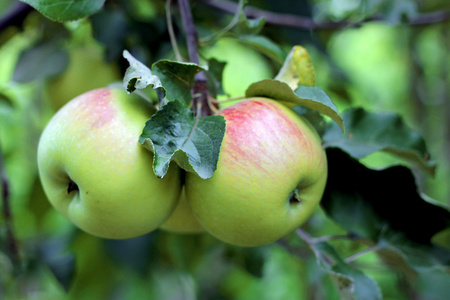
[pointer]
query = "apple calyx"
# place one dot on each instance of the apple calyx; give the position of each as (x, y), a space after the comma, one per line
(294, 199)
(72, 187)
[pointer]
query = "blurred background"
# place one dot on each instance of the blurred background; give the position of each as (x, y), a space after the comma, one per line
(381, 55)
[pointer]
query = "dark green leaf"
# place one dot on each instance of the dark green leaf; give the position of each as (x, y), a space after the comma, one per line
(351, 282)
(369, 132)
(66, 10)
(173, 133)
(214, 76)
(266, 46)
(386, 208)
(42, 61)
(434, 284)
(309, 96)
(177, 78)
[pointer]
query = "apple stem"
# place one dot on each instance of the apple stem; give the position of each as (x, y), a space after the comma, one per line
(10, 237)
(200, 88)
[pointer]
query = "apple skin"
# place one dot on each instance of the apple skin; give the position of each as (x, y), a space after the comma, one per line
(268, 154)
(182, 219)
(236, 77)
(93, 142)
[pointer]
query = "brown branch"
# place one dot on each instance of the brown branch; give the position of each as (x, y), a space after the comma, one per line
(200, 89)
(299, 22)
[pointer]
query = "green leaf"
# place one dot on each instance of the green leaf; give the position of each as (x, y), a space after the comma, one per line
(177, 78)
(309, 96)
(41, 61)
(172, 80)
(174, 133)
(139, 76)
(66, 10)
(369, 132)
(350, 282)
(265, 46)
(214, 76)
(385, 207)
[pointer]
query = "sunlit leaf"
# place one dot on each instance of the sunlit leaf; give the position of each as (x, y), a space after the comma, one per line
(297, 69)
(309, 96)
(139, 76)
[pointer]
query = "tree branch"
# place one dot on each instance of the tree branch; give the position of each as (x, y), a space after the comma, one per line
(200, 89)
(299, 22)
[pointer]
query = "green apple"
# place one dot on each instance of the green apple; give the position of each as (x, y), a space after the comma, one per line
(244, 65)
(96, 174)
(270, 175)
(87, 70)
(182, 220)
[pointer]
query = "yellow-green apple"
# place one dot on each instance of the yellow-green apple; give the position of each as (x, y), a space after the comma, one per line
(96, 174)
(244, 66)
(270, 175)
(182, 219)
(87, 70)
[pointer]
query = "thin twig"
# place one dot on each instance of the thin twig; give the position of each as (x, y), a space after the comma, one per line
(173, 39)
(226, 100)
(355, 256)
(200, 89)
(295, 21)
(305, 236)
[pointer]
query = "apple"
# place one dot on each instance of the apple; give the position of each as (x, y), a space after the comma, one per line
(235, 77)
(182, 220)
(87, 70)
(95, 173)
(270, 175)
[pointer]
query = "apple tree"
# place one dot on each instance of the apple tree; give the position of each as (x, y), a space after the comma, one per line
(304, 145)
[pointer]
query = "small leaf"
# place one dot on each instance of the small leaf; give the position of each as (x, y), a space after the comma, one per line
(177, 78)
(139, 76)
(308, 96)
(297, 69)
(173, 133)
(369, 132)
(41, 61)
(66, 10)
